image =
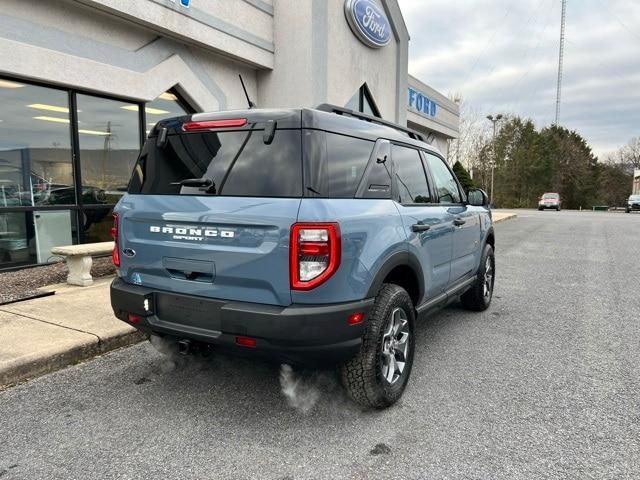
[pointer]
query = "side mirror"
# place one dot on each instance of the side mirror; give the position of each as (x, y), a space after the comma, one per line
(478, 197)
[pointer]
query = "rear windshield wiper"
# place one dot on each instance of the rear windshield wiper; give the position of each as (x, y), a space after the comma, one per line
(205, 184)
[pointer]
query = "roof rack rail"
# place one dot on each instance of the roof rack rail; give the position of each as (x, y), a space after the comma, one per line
(327, 107)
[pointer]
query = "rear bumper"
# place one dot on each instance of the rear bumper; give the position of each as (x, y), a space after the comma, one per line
(299, 334)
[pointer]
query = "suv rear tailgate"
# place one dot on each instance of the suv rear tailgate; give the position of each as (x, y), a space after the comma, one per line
(210, 205)
(232, 248)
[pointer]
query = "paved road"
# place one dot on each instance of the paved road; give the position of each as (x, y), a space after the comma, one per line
(545, 384)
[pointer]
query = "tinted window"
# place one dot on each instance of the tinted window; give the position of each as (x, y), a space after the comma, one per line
(347, 158)
(377, 181)
(445, 183)
(410, 176)
(335, 163)
(238, 163)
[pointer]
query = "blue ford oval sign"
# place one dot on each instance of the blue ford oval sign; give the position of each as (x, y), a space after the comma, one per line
(368, 22)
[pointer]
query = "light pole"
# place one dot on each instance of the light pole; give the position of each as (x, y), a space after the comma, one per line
(493, 120)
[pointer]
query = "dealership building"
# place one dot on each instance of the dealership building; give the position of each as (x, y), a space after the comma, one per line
(82, 81)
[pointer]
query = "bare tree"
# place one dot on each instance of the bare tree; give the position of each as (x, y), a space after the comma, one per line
(628, 156)
(470, 147)
(630, 153)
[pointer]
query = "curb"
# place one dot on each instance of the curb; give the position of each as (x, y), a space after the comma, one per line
(47, 364)
(505, 218)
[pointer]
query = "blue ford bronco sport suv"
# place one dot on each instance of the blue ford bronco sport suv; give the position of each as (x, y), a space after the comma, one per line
(308, 235)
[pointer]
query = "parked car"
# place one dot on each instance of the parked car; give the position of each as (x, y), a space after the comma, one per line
(549, 200)
(312, 236)
(45, 192)
(633, 203)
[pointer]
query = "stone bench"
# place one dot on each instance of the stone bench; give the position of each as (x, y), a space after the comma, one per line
(79, 261)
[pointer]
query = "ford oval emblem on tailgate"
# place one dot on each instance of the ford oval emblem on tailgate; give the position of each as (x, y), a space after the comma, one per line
(129, 252)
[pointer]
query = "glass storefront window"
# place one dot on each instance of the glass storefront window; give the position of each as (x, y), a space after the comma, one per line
(109, 138)
(28, 237)
(35, 146)
(167, 105)
(37, 165)
(97, 224)
(16, 234)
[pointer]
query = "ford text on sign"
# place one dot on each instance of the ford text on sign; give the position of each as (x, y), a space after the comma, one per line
(422, 104)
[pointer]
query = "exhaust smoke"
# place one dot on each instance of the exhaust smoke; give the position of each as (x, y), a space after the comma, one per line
(317, 389)
(301, 394)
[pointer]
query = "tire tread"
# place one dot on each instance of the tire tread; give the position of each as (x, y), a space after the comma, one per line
(359, 375)
(473, 299)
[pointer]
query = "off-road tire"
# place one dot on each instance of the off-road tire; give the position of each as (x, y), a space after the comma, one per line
(362, 375)
(475, 298)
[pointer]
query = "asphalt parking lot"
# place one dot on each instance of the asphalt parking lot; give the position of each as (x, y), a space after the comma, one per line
(545, 384)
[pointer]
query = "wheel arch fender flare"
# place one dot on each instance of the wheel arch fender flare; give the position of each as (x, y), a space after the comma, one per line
(490, 238)
(398, 259)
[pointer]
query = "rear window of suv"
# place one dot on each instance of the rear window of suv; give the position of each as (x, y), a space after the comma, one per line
(239, 163)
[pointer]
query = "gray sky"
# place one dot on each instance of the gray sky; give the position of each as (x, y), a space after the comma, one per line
(502, 56)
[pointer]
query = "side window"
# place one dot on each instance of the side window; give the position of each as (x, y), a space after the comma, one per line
(410, 176)
(334, 163)
(445, 183)
(346, 160)
(377, 180)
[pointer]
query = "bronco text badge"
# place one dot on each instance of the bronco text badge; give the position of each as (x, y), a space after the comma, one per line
(197, 234)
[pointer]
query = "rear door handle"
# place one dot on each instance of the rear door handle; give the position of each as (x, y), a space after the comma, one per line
(459, 221)
(420, 227)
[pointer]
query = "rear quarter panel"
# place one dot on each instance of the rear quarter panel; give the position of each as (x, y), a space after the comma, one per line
(371, 231)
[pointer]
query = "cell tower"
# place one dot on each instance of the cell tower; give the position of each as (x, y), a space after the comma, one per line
(560, 59)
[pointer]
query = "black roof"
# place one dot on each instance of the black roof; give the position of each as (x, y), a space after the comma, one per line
(326, 117)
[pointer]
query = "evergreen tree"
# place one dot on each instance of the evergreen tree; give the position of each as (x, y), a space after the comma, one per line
(463, 176)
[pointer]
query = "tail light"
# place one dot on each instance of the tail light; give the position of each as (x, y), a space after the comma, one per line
(115, 255)
(314, 254)
(195, 126)
(246, 342)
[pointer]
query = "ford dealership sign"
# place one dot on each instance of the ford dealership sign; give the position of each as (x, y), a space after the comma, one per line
(420, 103)
(368, 22)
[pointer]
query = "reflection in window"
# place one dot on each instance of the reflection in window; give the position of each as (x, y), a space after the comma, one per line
(97, 223)
(16, 238)
(167, 105)
(28, 237)
(411, 179)
(445, 183)
(109, 144)
(334, 163)
(378, 179)
(238, 163)
(347, 159)
(35, 153)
